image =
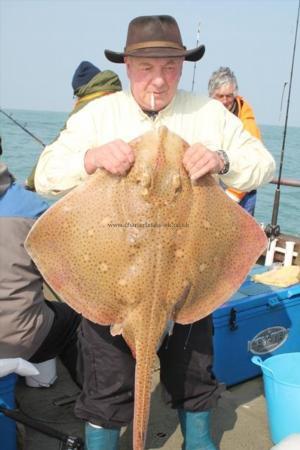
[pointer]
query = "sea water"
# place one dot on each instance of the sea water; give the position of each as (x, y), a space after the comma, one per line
(20, 152)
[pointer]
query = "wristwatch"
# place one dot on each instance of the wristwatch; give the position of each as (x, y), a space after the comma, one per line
(225, 159)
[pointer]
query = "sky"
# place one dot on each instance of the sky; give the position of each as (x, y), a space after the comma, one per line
(43, 41)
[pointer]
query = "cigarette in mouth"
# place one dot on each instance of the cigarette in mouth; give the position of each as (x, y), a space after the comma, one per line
(152, 101)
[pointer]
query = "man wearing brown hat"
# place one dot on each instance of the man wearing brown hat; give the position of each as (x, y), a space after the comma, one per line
(97, 137)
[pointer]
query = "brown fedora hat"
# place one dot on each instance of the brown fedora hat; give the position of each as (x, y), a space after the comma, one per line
(155, 37)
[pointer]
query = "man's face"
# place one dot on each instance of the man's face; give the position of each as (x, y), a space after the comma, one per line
(153, 81)
(226, 95)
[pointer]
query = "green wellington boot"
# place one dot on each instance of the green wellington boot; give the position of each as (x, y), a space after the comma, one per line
(97, 438)
(195, 427)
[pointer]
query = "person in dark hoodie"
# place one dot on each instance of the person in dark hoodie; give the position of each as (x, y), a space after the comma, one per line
(31, 327)
(89, 83)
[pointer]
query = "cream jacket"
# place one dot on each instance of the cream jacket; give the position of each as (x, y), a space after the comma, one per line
(117, 116)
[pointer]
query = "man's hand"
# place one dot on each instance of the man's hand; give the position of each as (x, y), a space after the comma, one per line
(116, 157)
(199, 160)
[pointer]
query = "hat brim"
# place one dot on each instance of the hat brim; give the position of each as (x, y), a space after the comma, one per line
(157, 52)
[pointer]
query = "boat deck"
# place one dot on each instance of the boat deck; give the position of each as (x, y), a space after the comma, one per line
(238, 423)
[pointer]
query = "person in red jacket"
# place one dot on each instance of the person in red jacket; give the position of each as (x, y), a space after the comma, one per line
(223, 86)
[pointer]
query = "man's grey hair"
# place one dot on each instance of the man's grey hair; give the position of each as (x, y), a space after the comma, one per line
(221, 77)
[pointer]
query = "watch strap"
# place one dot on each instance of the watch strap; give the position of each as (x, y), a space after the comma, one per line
(225, 159)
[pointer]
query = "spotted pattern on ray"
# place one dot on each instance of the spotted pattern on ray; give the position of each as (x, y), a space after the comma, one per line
(138, 250)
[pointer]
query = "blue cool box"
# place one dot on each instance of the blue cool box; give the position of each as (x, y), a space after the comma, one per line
(8, 436)
(258, 320)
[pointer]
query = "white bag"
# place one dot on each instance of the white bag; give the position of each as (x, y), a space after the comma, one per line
(17, 365)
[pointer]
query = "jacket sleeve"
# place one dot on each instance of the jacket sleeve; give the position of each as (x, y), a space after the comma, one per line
(61, 164)
(246, 115)
(25, 318)
(251, 164)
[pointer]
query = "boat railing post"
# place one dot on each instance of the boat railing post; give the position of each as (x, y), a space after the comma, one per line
(289, 253)
(270, 252)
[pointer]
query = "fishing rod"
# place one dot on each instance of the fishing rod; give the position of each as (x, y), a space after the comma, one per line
(69, 442)
(23, 128)
(282, 96)
(273, 230)
(195, 63)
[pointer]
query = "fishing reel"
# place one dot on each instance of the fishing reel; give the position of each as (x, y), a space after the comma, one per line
(272, 231)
